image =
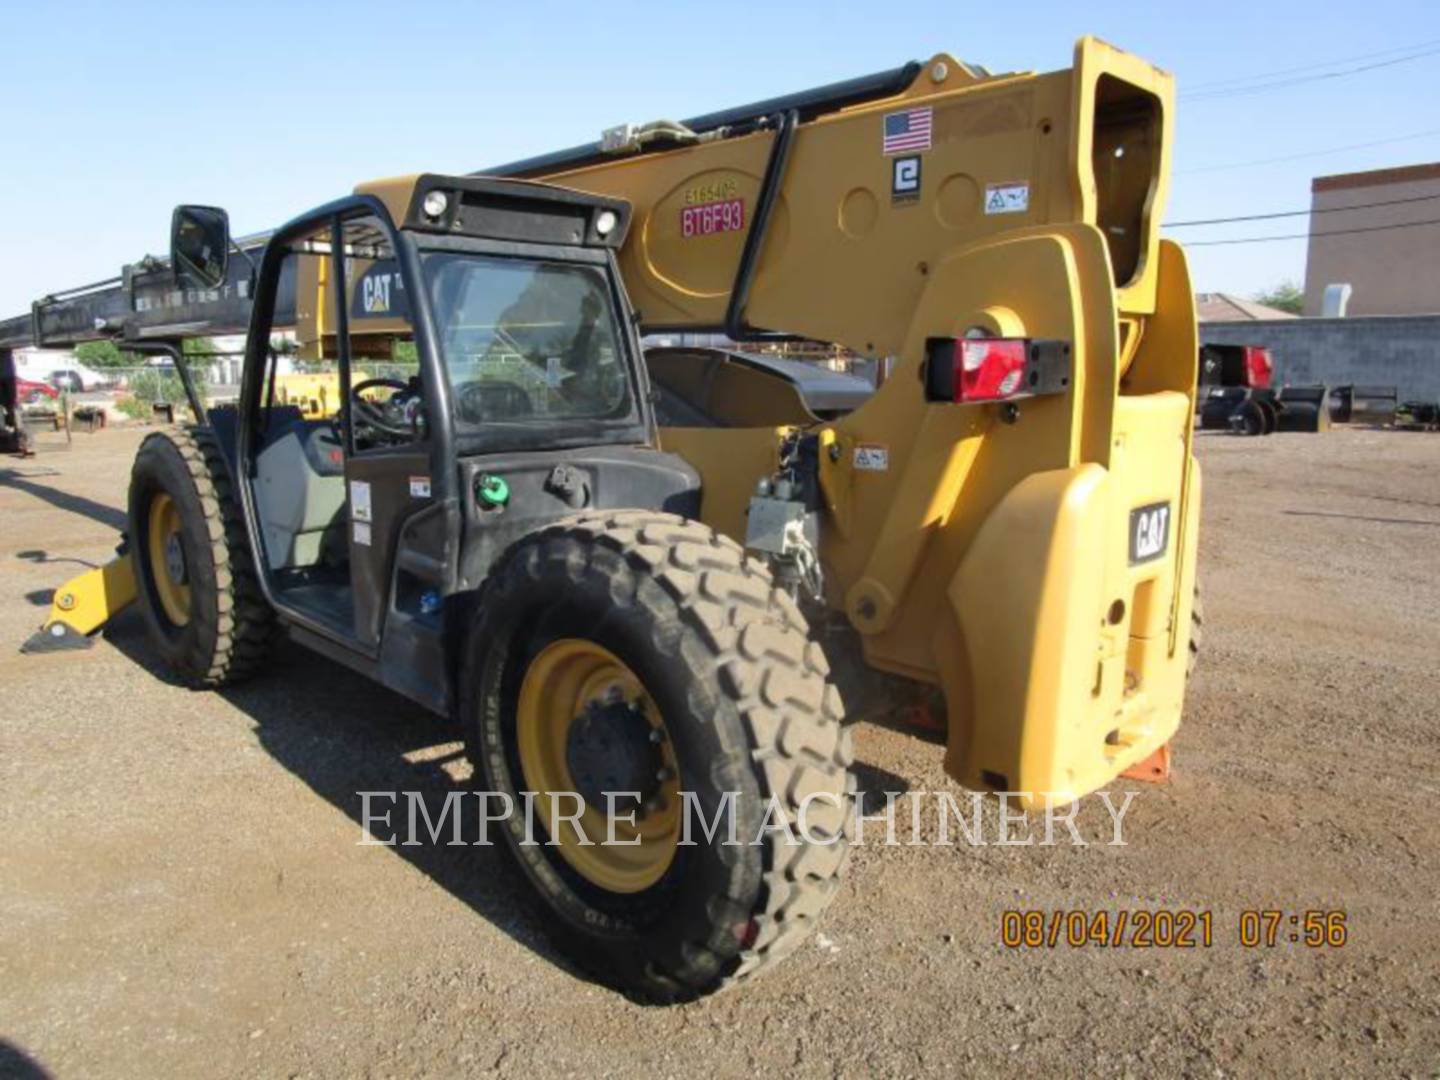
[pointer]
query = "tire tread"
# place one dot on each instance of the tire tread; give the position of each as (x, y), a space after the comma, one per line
(776, 679)
(245, 622)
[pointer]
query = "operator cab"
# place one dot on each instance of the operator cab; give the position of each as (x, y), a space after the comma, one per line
(435, 366)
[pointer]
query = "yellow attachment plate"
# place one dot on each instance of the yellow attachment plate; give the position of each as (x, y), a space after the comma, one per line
(88, 601)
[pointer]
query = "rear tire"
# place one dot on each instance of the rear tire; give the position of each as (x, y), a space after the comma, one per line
(196, 583)
(747, 707)
(1271, 417)
(1252, 419)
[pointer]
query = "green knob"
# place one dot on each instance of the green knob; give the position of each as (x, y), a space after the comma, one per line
(492, 490)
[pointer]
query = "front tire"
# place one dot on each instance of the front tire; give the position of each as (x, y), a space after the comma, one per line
(666, 659)
(194, 574)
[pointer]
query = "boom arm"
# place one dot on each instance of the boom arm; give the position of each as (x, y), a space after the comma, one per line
(841, 239)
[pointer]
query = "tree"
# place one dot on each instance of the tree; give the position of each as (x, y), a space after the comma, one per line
(105, 354)
(1286, 296)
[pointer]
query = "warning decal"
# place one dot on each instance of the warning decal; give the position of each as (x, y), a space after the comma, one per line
(872, 457)
(1007, 198)
(360, 500)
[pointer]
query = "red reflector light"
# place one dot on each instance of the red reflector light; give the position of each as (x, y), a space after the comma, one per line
(965, 370)
(1259, 368)
(989, 369)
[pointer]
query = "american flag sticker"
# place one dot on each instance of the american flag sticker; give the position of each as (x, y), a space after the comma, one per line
(907, 131)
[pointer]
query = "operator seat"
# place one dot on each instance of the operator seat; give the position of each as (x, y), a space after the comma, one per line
(300, 491)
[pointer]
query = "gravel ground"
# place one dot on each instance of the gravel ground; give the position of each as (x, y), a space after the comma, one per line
(182, 891)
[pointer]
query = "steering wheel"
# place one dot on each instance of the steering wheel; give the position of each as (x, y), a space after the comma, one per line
(389, 417)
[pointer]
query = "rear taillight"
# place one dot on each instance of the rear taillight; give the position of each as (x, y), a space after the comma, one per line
(1259, 368)
(968, 370)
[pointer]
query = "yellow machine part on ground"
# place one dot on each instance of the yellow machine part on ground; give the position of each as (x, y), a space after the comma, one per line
(84, 604)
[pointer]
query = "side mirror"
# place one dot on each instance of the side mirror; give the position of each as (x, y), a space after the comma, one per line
(200, 246)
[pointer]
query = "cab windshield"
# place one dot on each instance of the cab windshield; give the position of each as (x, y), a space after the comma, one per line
(527, 341)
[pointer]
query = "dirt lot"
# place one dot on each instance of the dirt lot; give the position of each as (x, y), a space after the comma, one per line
(182, 891)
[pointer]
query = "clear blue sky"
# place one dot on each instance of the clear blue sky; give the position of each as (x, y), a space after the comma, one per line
(114, 112)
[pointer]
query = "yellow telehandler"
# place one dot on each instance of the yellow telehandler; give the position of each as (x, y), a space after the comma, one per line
(632, 582)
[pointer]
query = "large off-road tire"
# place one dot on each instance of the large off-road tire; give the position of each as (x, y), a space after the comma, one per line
(712, 666)
(1197, 631)
(195, 577)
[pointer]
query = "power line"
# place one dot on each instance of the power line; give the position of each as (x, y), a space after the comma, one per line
(1299, 213)
(1217, 83)
(1258, 88)
(1311, 236)
(1281, 84)
(1309, 153)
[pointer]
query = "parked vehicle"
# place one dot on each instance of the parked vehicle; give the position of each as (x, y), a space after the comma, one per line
(1235, 390)
(59, 370)
(29, 392)
(76, 377)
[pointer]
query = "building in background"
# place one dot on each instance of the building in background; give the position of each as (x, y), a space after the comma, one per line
(1394, 267)
(1227, 307)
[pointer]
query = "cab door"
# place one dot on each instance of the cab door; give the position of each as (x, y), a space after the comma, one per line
(388, 439)
(336, 448)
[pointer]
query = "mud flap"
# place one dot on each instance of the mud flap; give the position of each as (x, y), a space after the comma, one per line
(1029, 598)
(1073, 675)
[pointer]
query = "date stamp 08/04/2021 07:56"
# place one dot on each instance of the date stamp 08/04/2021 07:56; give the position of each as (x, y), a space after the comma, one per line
(1164, 928)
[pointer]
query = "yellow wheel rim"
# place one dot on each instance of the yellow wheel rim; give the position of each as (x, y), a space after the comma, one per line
(167, 559)
(583, 711)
